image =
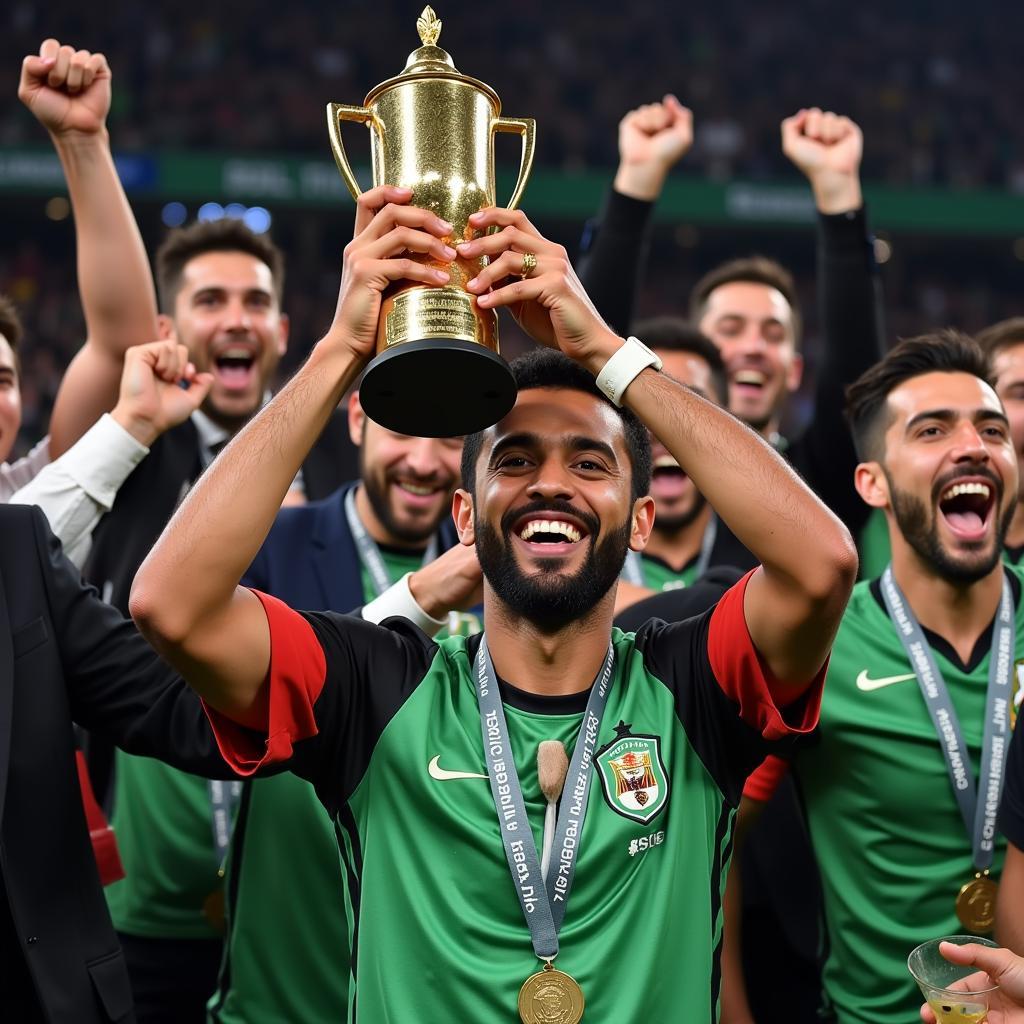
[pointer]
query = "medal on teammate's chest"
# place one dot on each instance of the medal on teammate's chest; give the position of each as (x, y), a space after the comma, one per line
(550, 997)
(978, 801)
(976, 903)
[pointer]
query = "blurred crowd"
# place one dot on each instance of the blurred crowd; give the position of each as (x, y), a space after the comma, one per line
(916, 75)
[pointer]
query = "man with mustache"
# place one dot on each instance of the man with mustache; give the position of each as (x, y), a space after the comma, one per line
(554, 496)
(918, 698)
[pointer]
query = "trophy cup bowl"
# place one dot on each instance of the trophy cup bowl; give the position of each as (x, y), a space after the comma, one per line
(436, 372)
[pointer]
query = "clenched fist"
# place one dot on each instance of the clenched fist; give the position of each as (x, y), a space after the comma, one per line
(67, 90)
(827, 148)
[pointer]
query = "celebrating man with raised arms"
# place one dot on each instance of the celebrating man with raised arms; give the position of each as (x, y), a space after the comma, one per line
(389, 725)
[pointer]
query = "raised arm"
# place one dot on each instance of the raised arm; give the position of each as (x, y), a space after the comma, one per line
(75, 490)
(827, 149)
(68, 91)
(652, 140)
(186, 598)
(794, 602)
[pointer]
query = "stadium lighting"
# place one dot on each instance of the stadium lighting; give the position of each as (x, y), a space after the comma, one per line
(174, 215)
(210, 211)
(257, 219)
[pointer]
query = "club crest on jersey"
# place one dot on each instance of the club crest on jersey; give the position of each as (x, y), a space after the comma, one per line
(633, 774)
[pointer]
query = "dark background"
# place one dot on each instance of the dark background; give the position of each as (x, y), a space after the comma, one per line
(936, 87)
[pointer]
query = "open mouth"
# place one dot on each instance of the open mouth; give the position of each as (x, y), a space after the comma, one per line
(550, 534)
(967, 508)
(234, 367)
(668, 479)
(750, 380)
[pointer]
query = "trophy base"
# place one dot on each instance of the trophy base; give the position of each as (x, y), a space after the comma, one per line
(437, 388)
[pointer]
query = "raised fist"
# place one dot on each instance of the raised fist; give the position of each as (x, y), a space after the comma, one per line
(67, 90)
(827, 148)
(652, 139)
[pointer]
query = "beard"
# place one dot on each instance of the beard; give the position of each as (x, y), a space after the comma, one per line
(376, 488)
(547, 598)
(921, 532)
(672, 524)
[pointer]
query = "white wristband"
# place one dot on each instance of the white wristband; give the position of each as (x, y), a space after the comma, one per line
(624, 367)
(398, 600)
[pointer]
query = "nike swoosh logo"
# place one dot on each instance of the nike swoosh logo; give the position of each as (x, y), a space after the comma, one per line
(443, 775)
(867, 685)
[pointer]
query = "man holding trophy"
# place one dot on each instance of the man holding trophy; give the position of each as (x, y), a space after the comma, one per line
(425, 753)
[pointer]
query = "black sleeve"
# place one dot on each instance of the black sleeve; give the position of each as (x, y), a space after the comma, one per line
(723, 692)
(336, 682)
(613, 255)
(117, 685)
(677, 654)
(1011, 810)
(677, 605)
(853, 336)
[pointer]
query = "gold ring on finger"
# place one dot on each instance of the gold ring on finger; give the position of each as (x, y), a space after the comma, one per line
(529, 264)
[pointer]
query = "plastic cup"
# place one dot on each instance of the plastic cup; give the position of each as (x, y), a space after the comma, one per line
(957, 994)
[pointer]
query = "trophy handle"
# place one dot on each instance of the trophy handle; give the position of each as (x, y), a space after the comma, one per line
(336, 113)
(527, 128)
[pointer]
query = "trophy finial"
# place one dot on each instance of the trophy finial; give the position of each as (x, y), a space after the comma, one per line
(429, 27)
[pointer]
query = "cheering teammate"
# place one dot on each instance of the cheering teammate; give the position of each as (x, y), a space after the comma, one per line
(555, 495)
(901, 827)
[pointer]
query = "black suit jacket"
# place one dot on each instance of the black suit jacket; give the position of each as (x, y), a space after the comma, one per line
(67, 657)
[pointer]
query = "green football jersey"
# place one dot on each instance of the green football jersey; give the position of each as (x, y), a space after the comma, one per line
(437, 932)
(884, 822)
(163, 822)
(286, 947)
(659, 575)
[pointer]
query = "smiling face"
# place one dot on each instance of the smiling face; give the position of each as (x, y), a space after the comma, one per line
(1008, 365)
(949, 476)
(408, 481)
(226, 313)
(752, 325)
(553, 514)
(10, 399)
(676, 500)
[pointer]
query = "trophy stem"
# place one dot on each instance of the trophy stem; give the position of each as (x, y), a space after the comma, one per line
(437, 388)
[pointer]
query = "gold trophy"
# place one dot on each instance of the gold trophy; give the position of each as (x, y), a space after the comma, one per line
(437, 372)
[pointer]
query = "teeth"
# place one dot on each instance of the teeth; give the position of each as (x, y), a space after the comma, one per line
(957, 489)
(567, 530)
(749, 377)
(236, 353)
(417, 489)
(665, 462)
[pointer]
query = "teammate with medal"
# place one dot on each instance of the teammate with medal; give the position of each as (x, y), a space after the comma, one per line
(902, 781)
(424, 752)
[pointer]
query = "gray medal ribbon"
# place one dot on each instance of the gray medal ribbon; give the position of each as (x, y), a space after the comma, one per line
(543, 907)
(633, 569)
(979, 803)
(369, 553)
(224, 797)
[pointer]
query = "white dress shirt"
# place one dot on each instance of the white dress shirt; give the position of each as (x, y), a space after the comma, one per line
(78, 488)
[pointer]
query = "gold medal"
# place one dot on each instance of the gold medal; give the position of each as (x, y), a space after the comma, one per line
(976, 904)
(550, 997)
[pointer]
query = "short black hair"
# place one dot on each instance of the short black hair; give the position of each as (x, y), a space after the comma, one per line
(945, 351)
(228, 234)
(546, 368)
(753, 270)
(674, 334)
